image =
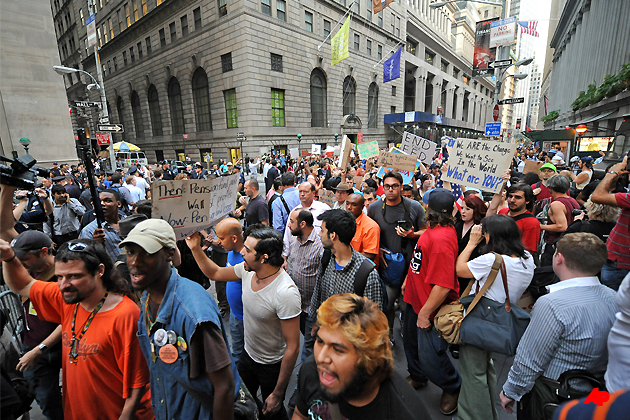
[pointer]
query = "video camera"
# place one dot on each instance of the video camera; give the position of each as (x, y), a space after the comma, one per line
(21, 172)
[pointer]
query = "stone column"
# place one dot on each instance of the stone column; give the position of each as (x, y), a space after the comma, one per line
(437, 94)
(460, 103)
(471, 108)
(421, 88)
(448, 112)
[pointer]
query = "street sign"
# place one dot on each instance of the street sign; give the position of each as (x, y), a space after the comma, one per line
(116, 128)
(103, 139)
(493, 129)
(503, 32)
(495, 112)
(91, 31)
(185, 136)
(359, 137)
(509, 101)
(103, 120)
(240, 134)
(500, 63)
(86, 104)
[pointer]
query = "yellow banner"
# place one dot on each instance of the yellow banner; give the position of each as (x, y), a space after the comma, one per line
(339, 43)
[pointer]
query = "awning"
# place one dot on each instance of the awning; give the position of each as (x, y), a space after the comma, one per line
(597, 117)
(550, 135)
(417, 117)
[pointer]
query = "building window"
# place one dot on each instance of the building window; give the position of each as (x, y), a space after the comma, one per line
(144, 7)
(100, 41)
(121, 20)
(158, 2)
(393, 109)
(201, 100)
(139, 45)
(380, 52)
(109, 66)
(136, 16)
(429, 56)
(175, 103)
(393, 23)
(456, 72)
(369, 47)
(120, 107)
(197, 17)
(111, 28)
(485, 14)
(393, 90)
(125, 58)
(349, 95)
(357, 42)
(276, 62)
(412, 47)
(82, 18)
(173, 31)
(162, 38)
(368, 15)
(319, 116)
(466, 79)
(231, 113)
(265, 7)
(184, 24)
(115, 64)
(444, 66)
(226, 62)
(380, 19)
(281, 10)
(132, 55)
(277, 107)
(147, 41)
(137, 114)
(308, 21)
(105, 35)
(154, 111)
(357, 8)
(222, 7)
(326, 28)
(127, 15)
(373, 105)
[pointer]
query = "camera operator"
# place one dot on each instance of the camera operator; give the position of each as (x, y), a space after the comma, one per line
(32, 209)
(64, 222)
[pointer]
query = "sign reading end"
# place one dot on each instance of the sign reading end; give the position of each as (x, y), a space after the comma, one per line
(115, 128)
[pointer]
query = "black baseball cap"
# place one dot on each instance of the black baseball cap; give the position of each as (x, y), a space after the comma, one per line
(31, 240)
(441, 200)
(58, 178)
(132, 170)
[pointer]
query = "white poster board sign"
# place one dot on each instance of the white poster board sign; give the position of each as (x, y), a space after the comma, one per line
(194, 204)
(479, 163)
(316, 149)
(418, 146)
(294, 152)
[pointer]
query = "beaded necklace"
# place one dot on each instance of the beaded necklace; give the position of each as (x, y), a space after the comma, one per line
(74, 345)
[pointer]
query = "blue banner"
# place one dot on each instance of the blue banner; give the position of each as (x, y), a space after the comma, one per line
(391, 67)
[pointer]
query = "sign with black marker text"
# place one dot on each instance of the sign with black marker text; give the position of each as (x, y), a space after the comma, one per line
(418, 146)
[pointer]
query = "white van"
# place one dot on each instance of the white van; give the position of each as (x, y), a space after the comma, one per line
(132, 158)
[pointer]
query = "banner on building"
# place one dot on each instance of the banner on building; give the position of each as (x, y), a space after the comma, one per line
(339, 43)
(379, 5)
(483, 54)
(503, 32)
(391, 66)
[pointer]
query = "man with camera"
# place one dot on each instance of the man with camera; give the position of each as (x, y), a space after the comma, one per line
(64, 222)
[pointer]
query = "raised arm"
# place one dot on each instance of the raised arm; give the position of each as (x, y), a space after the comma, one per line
(15, 275)
(209, 268)
(7, 221)
(602, 194)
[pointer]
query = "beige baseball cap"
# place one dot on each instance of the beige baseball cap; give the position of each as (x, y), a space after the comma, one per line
(152, 235)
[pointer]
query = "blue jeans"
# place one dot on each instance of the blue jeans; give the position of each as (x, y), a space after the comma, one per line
(306, 325)
(45, 379)
(429, 356)
(410, 342)
(613, 276)
(237, 335)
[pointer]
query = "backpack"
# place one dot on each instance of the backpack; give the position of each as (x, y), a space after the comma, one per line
(360, 278)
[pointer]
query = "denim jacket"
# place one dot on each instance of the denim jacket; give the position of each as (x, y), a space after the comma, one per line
(174, 395)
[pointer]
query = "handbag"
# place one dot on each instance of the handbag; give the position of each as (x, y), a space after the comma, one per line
(448, 320)
(245, 407)
(494, 326)
(392, 275)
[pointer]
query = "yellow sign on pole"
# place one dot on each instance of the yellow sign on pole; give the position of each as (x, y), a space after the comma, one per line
(339, 43)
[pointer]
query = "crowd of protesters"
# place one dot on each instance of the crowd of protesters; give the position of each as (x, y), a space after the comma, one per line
(126, 312)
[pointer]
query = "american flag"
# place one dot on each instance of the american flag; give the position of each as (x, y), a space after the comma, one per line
(457, 191)
(529, 27)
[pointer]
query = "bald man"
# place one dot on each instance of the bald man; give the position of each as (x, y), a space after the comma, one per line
(230, 234)
(368, 235)
(306, 192)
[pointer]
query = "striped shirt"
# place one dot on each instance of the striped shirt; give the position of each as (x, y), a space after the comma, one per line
(303, 265)
(568, 330)
(618, 243)
(111, 237)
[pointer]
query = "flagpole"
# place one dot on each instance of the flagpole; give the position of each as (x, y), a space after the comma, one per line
(319, 47)
(393, 50)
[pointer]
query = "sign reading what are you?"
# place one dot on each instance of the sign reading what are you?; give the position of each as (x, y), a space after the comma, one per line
(479, 163)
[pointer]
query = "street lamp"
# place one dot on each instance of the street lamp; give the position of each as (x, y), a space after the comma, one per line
(26, 142)
(437, 4)
(336, 137)
(299, 138)
(519, 76)
(580, 129)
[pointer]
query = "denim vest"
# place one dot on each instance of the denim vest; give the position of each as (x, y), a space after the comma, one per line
(174, 395)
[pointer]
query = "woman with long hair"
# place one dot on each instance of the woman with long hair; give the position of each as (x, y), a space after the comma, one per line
(478, 394)
(473, 211)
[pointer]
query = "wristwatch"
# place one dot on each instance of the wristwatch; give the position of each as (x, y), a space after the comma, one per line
(613, 172)
(43, 347)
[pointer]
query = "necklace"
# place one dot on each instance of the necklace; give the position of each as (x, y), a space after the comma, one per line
(258, 279)
(74, 344)
(150, 323)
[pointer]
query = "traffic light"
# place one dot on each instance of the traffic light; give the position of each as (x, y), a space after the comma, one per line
(518, 123)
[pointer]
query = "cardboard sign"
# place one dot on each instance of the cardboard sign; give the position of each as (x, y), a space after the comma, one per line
(344, 156)
(327, 197)
(532, 166)
(194, 204)
(479, 163)
(397, 161)
(294, 152)
(358, 181)
(418, 146)
(407, 175)
(368, 149)
(316, 149)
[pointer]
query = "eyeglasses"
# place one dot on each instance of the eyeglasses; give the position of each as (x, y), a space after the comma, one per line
(391, 186)
(77, 246)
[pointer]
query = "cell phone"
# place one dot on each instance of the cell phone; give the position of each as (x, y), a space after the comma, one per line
(403, 225)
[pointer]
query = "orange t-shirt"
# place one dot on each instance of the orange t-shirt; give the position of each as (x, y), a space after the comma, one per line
(367, 236)
(110, 362)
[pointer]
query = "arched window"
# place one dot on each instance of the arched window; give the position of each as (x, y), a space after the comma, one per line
(319, 117)
(175, 103)
(373, 105)
(137, 114)
(201, 99)
(349, 95)
(154, 111)
(120, 106)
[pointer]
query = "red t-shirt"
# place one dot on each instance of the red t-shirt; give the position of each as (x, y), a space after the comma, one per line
(110, 362)
(530, 230)
(544, 191)
(619, 240)
(433, 264)
(380, 191)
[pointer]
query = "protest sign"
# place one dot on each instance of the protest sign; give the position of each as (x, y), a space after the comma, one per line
(327, 197)
(479, 163)
(192, 205)
(407, 175)
(294, 152)
(397, 161)
(344, 157)
(368, 149)
(316, 149)
(358, 181)
(417, 146)
(532, 166)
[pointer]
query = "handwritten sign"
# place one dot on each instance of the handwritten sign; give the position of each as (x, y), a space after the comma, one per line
(397, 160)
(479, 163)
(407, 175)
(316, 149)
(192, 205)
(344, 156)
(532, 166)
(418, 146)
(368, 149)
(327, 197)
(358, 181)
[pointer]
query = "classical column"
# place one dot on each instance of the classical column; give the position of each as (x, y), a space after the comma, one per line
(437, 94)
(471, 108)
(448, 113)
(460, 103)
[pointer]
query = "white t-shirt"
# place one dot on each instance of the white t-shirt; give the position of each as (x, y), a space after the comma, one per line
(262, 312)
(519, 273)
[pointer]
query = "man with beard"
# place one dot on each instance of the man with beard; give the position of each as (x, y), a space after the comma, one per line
(180, 331)
(352, 372)
(541, 191)
(107, 234)
(103, 369)
(271, 309)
